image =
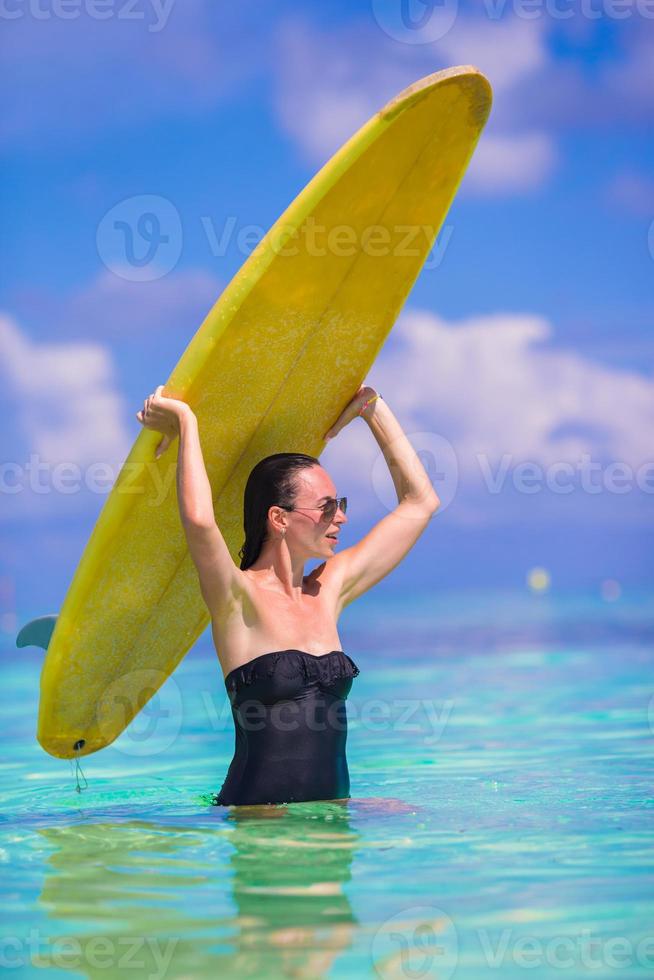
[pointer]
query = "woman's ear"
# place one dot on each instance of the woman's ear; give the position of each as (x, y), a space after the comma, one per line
(275, 518)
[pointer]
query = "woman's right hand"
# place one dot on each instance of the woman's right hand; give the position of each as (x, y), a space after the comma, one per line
(162, 414)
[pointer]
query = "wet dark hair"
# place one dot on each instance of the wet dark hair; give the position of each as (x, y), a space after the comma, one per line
(271, 483)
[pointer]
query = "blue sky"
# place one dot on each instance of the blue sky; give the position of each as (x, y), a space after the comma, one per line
(528, 336)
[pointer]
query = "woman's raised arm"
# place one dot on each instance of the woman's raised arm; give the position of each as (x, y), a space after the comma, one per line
(364, 564)
(221, 581)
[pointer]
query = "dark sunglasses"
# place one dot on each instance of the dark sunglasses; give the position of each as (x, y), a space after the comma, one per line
(328, 509)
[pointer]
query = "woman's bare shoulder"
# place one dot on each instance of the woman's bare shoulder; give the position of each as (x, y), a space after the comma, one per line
(326, 575)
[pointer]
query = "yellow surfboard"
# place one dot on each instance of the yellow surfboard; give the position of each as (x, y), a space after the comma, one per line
(282, 351)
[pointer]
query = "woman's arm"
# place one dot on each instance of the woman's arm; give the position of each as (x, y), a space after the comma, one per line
(221, 581)
(360, 567)
(173, 417)
(194, 496)
(411, 480)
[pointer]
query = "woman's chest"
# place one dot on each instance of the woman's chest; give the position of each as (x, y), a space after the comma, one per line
(311, 624)
(265, 620)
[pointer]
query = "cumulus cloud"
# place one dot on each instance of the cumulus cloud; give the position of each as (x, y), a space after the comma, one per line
(507, 389)
(330, 82)
(496, 387)
(65, 396)
(581, 93)
(67, 409)
(511, 163)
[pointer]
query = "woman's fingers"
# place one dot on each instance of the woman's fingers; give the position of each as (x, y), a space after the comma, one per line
(159, 413)
(148, 403)
(163, 446)
(349, 413)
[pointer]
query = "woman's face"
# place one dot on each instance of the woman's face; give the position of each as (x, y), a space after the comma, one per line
(307, 528)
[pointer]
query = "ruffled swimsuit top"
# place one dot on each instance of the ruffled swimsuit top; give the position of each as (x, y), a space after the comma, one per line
(290, 724)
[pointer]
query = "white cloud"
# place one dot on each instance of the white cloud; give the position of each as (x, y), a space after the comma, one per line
(66, 408)
(506, 390)
(495, 386)
(511, 163)
(331, 82)
(587, 93)
(64, 396)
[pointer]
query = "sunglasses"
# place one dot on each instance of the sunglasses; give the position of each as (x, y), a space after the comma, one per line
(328, 509)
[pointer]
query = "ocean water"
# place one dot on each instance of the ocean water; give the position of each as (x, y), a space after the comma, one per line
(501, 750)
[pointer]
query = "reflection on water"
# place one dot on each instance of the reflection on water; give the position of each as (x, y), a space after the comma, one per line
(132, 886)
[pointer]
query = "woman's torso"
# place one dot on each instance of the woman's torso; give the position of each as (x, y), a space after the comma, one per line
(265, 620)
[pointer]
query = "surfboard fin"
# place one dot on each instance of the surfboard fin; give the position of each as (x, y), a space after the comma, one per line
(37, 632)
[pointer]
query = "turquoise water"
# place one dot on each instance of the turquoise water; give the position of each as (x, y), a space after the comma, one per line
(501, 756)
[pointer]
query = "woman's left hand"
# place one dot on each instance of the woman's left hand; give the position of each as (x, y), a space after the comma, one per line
(351, 411)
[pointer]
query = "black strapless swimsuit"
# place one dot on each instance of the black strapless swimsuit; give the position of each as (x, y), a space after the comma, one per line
(290, 723)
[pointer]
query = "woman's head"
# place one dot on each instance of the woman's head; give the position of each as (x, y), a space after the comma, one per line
(281, 481)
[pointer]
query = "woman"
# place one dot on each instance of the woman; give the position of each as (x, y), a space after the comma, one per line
(288, 703)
